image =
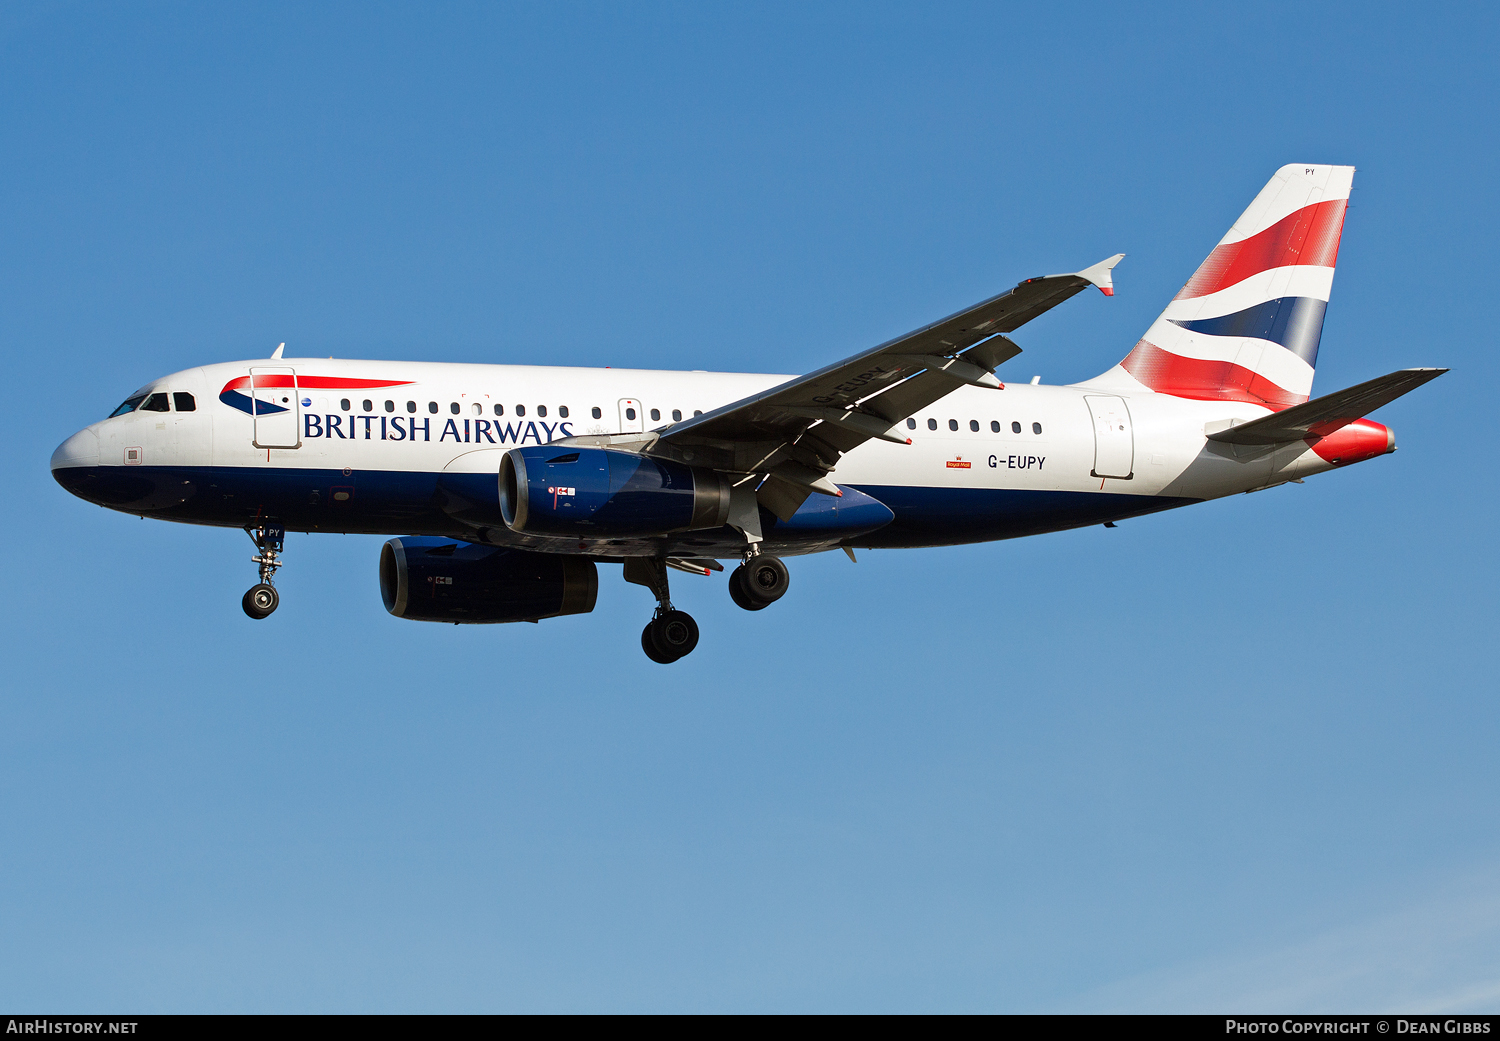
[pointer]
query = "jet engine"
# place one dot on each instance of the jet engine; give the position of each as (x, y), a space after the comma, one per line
(442, 580)
(598, 492)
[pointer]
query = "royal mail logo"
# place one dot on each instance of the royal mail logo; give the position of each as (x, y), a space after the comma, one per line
(959, 464)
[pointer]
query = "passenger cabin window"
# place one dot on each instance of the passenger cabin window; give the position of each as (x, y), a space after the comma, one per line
(562, 410)
(453, 407)
(994, 426)
(596, 412)
(1015, 428)
(411, 406)
(520, 410)
(677, 415)
(932, 424)
(630, 413)
(1036, 428)
(541, 411)
(344, 404)
(128, 405)
(952, 424)
(697, 412)
(368, 404)
(655, 414)
(390, 406)
(911, 424)
(157, 403)
(499, 410)
(432, 406)
(183, 402)
(974, 425)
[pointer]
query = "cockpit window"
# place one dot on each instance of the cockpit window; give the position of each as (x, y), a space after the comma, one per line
(156, 403)
(182, 401)
(128, 405)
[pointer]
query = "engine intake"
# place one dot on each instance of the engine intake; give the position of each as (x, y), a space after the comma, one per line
(442, 580)
(598, 492)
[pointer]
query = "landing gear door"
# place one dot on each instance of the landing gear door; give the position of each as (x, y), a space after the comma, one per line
(278, 412)
(632, 418)
(1114, 439)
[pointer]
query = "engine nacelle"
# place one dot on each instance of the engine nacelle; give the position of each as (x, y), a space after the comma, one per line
(443, 580)
(596, 492)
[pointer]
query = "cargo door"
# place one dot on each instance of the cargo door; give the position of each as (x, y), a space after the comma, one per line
(278, 413)
(1114, 440)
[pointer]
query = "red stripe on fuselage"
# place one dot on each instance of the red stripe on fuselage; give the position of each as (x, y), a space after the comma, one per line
(312, 382)
(1309, 236)
(1204, 380)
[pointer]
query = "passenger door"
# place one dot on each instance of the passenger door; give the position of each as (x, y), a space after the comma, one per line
(1114, 440)
(278, 413)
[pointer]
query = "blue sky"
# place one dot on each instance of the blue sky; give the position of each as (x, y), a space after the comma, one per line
(1236, 756)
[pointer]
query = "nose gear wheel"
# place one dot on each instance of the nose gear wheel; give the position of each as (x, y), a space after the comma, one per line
(261, 599)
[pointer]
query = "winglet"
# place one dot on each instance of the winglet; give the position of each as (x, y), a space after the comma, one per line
(277, 352)
(1099, 274)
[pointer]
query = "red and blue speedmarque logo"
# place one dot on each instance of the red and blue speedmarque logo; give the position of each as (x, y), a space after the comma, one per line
(232, 394)
(377, 426)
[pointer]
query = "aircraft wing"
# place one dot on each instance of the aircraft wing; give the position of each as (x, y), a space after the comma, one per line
(794, 434)
(1322, 416)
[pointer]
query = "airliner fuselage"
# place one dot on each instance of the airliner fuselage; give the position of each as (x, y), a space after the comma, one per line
(385, 448)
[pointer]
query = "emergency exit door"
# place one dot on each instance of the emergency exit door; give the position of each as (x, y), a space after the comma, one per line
(632, 416)
(278, 414)
(1114, 440)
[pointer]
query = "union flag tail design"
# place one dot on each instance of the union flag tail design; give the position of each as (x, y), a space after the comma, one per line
(1247, 324)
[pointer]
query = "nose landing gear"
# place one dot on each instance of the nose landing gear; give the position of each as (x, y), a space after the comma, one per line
(671, 634)
(261, 599)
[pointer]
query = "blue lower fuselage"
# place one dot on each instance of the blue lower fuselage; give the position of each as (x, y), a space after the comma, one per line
(465, 506)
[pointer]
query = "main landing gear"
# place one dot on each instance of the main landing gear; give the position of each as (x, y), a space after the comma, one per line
(671, 634)
(759, 582)
(261, 599)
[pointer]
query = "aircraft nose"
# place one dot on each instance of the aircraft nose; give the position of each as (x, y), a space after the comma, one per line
(82, 449)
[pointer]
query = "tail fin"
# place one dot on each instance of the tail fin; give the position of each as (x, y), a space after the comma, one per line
(1247, 324)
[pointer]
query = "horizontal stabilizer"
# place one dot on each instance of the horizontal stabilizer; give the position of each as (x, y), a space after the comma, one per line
(1322, 416)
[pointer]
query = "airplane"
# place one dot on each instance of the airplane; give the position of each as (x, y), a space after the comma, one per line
(506, 485)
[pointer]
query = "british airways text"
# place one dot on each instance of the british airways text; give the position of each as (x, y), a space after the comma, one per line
(409, 428)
